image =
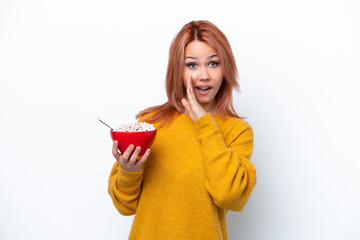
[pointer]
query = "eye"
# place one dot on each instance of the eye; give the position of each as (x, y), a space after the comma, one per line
(213, 64)
(191, 65)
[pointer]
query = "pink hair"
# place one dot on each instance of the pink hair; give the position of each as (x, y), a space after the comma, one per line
(202, 31)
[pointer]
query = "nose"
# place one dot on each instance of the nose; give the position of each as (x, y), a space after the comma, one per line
(204, 74)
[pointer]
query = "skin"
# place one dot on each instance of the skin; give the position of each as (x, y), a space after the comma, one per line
(202, 69)
(129, 159)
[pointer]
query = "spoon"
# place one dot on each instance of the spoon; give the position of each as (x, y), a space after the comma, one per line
(105, 124)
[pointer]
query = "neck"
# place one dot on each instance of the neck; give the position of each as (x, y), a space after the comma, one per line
(210, 107)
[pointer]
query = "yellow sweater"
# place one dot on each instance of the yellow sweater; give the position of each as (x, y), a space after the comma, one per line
(195, 173)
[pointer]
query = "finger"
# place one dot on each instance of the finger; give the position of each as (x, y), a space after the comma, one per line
(115, 150)
(143, 158)
(190, 92)
(134, 155)
(186, 105)
(122, 162)
(128, 152)
(192, 102)
(189, 86)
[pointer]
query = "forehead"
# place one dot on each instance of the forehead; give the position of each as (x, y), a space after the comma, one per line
(199, 49)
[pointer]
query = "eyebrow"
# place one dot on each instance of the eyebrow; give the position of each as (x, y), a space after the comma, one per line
(209, 57)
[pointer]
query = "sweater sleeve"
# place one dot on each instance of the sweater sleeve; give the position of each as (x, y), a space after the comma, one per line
(124, 189)
(229, 175)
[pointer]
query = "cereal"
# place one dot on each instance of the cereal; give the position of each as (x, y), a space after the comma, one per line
(135, 127)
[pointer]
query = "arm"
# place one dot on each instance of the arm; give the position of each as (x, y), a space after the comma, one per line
(124, 189)
(126, 177)
(229, 175)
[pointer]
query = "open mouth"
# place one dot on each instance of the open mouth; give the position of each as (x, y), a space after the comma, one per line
(203, 90)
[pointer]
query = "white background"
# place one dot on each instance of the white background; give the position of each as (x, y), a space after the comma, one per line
(64, 63)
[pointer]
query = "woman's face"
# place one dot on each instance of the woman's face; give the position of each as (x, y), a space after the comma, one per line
(202, 65)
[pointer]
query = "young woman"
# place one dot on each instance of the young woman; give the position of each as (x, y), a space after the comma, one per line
(199, 166)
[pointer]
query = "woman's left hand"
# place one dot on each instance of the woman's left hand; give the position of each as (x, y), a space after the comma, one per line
(191, 105)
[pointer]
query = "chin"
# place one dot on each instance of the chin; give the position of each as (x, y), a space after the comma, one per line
(205, 100)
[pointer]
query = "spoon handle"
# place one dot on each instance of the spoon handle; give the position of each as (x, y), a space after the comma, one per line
(105, 124)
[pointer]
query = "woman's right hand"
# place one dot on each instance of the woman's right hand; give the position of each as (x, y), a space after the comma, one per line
(128, 160)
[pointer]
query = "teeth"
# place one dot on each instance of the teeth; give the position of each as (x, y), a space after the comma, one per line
(204, 88)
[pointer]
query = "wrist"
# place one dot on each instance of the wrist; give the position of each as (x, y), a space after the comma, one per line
(199, 114)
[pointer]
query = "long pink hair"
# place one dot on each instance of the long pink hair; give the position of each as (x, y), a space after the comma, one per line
(202, 31)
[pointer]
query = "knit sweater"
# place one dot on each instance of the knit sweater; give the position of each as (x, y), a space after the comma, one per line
(195, 173)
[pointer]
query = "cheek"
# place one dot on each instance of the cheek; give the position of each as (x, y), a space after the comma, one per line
(187, 74)
(218, 77)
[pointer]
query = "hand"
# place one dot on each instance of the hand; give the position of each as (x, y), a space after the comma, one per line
(128, 160)
(192, 107)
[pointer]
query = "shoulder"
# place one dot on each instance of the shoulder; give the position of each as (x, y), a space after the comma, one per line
(240, 134)
(145, 116)
(236, 124)
(148, 117)
(235, 129)
(160, 115)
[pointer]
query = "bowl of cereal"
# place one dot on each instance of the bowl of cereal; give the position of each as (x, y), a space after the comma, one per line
(139, 134)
